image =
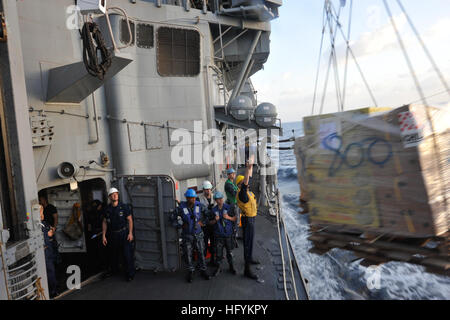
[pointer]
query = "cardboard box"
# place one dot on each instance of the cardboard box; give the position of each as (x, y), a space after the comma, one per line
(379, 169)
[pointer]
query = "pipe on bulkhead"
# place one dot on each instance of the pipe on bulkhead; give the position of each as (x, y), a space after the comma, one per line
(95, 119)
(247, 72)
(245, 66)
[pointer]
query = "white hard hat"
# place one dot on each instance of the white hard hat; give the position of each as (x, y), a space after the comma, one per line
(207, 185)
(112, 190)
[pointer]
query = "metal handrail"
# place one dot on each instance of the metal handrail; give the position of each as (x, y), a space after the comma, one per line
(21, 266)
(25, 288)
(21, 274)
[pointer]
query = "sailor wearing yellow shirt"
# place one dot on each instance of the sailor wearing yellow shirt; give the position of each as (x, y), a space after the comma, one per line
(247, 203)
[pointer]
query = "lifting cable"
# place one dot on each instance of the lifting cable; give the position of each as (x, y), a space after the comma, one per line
(335, 64)
(329, 61)
(324, 21)
(437, 157)
(346, 55)
(425, 49)
(332, 54)
(402, 46)
(89, 33)
(354, 57)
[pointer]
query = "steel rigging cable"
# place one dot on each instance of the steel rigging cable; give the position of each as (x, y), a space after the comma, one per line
(92, 32)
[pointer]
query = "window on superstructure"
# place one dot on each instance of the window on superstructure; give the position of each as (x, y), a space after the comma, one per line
(125, 33)
(178, 52)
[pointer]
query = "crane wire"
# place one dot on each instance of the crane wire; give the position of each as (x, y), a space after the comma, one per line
(437, 152)
(336, 69)
(424, 47)
(405, 53)
(346, 55)
(355, 60)
(324, 21)
(332, 38)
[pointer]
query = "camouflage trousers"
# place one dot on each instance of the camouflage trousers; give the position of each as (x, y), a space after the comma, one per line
(191, 243)
(227, 243)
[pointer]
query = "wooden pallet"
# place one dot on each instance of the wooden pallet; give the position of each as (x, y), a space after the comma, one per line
(376, 249)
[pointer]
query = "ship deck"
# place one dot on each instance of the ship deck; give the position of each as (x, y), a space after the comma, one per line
(226, 286)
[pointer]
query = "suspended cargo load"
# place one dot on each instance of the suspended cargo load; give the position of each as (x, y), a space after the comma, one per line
(378, 170)
(266, 114)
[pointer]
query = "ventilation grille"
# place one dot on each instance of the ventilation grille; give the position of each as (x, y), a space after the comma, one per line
(144, 35)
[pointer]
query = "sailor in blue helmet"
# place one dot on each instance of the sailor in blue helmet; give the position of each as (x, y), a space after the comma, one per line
(118, 218)
(224, 229)
(190, 216)
(50, 254)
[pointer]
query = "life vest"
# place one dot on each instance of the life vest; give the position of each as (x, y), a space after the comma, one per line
(223, 227)
(191, 218)
(208, 203)
(230, 198)
(249, 209)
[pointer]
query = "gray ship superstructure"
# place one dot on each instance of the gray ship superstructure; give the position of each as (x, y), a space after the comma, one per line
(70, 133)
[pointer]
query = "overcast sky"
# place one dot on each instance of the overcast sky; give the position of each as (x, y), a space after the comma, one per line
(289, 75)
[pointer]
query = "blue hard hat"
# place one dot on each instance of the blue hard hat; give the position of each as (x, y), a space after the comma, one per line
(218, 195)
(231, 170)
(190, 193)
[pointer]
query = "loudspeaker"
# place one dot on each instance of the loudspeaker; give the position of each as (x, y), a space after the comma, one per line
(67, 170)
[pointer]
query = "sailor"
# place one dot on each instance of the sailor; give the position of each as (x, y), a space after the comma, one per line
(230, 187)
(119, 219)
(206, 198)
(231, 190)
(50, 212)
(223, 231)
(96, 251)
(190, 215)
(50, 254)
(247, 203)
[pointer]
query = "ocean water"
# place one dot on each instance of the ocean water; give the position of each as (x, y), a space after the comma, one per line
(337, 275)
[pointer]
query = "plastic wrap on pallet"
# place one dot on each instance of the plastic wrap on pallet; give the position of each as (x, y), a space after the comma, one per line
(378, 169)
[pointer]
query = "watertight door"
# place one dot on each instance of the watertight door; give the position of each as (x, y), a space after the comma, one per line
(152, 199)
(66, 202)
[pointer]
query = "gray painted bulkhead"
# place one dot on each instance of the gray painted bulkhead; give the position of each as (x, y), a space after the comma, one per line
(137, 93)
(27, 242)
(57, 46)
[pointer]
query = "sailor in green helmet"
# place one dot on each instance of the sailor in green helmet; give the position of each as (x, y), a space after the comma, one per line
(230, 187)
(231, 190)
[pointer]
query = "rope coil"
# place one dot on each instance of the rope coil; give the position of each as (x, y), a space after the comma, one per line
(91, 50)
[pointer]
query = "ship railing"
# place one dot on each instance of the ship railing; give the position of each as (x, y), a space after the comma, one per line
(108, 22)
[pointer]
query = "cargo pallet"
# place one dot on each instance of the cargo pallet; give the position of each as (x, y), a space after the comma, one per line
(432, 253)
